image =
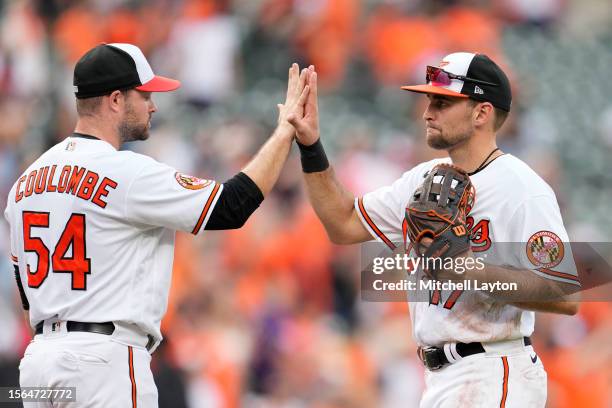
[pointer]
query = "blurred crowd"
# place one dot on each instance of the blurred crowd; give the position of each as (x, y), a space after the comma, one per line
(270, 315)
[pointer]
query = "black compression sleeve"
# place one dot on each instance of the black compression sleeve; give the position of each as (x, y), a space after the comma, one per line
(24, 299)
(238, 200)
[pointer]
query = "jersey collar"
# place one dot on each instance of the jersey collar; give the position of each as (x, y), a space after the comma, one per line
(94, 146)
(84, 136)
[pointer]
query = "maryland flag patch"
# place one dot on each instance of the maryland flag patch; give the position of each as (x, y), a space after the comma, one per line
(191, 182)
(545, 249)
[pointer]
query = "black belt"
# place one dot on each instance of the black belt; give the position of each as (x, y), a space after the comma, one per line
(106, 328)
(434, 358)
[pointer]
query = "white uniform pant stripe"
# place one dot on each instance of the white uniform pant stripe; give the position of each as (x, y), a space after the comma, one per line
(132, 377)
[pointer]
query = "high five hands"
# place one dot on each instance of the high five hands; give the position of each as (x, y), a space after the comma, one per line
(298, 90)
(302, 112)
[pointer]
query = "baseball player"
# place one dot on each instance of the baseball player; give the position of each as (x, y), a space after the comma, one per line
(92, 231)
(475, 345)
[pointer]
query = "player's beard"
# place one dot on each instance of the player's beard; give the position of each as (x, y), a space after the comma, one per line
(449, 138)
(131, 129)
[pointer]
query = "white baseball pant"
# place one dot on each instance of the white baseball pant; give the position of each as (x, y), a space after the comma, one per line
(104, 371)
(508, 375)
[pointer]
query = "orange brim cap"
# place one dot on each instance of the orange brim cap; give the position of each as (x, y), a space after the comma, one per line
(159, 84)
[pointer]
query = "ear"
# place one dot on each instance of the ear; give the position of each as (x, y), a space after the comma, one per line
(116, 101)
(483, 113)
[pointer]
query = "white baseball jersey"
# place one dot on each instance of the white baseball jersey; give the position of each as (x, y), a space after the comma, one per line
(92, 230)
(512, 205)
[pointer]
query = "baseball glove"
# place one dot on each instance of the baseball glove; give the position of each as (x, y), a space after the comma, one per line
(438, 211)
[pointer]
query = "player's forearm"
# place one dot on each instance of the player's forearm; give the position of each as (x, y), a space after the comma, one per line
(559, 307)
(264, 169)
(532, 291)
(332, 203)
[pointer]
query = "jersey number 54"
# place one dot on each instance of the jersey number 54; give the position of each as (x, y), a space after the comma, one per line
(73, 236)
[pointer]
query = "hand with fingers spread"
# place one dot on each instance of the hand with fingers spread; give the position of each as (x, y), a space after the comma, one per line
(305, 116)
(297, 95)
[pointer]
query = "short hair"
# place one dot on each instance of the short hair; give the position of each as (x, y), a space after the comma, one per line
(499, 118)
(90, 106)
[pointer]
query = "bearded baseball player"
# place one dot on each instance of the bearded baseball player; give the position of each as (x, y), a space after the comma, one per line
(475, 345)
(92, 232)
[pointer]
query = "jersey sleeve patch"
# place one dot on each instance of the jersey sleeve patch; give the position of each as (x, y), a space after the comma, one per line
(545, 249)
(191, 182)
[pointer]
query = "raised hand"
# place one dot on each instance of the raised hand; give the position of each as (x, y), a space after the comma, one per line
(305, 116)
(297, 94)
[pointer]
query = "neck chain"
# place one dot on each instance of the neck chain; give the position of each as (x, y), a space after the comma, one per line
(483, 164)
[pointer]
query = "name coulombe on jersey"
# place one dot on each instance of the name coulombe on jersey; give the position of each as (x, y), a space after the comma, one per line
(79, 181)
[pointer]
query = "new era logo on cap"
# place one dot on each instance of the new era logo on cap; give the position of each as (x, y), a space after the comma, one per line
(110, 67)
(469, 75)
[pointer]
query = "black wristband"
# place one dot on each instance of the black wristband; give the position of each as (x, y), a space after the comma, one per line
(313, 157)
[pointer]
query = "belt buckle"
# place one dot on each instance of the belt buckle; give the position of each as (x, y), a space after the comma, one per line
(56, 326)
(430, 358)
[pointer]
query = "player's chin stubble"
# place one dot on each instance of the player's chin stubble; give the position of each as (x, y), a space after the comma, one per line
(130, 133)
(131, 130)
(441, 140)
